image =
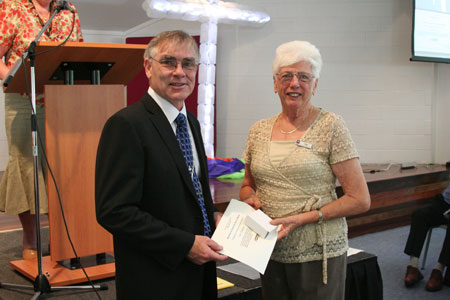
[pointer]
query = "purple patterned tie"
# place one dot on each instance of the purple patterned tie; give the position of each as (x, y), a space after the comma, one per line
(185, 145)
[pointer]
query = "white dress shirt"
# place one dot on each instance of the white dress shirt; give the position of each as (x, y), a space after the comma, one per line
(171, 113)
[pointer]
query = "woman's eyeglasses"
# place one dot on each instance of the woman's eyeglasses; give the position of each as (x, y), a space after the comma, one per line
(286, 77)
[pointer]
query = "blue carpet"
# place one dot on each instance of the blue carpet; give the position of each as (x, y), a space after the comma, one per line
(388, 246)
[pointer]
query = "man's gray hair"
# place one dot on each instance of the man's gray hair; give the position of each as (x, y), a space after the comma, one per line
(176, 37)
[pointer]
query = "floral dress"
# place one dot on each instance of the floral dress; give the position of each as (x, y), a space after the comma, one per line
(20, 23)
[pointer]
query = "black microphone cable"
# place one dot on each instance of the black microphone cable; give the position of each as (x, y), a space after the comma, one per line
(44, 154)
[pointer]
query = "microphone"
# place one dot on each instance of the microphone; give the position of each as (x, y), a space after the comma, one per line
(63, 5)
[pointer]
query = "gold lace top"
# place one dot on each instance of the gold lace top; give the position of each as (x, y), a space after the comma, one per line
(302, 181)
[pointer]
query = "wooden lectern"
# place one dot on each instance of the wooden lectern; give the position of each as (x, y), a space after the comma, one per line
(74, 118)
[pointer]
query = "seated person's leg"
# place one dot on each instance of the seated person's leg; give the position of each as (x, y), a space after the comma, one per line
(425, 217)
(436, 280)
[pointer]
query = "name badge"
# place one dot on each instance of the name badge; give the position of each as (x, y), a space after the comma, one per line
(303, 144)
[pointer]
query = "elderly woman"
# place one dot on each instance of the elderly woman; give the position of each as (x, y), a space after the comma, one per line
(20, 23)
(292, 162)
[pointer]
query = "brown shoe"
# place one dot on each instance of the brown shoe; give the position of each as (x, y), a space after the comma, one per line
(434, 284)
(412, 276)
(28, 254)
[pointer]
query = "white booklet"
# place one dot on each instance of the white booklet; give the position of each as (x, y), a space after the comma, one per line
(239, 241)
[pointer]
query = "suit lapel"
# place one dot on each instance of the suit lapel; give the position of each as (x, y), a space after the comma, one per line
(165, 130)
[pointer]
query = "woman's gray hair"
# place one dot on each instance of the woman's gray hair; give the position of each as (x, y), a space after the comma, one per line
(297, 51)
(176, 37)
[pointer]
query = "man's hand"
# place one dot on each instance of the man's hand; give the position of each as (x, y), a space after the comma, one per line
(205, 250)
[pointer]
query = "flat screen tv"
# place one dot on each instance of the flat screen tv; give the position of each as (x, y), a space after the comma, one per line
(431, 31)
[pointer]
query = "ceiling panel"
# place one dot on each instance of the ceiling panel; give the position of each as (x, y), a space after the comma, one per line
(112, 15)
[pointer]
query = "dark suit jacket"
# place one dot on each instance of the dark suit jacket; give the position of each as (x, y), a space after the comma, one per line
(145, 197)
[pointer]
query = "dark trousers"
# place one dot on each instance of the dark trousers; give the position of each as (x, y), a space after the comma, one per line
(304, 281)
(425, 217)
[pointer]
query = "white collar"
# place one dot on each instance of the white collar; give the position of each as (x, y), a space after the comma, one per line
(169, 110)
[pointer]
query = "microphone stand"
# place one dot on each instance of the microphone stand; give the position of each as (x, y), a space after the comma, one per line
(41, 283)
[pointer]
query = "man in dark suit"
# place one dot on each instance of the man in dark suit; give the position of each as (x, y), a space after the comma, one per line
(151, 193)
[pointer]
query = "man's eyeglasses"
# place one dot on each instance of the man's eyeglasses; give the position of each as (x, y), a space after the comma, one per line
(171, 64)
(286, 77)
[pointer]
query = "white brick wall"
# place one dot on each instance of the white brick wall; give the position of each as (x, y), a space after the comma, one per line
(386, 100)
(396, 110)
(442, 119)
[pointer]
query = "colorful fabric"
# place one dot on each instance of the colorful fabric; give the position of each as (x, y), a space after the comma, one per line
(185, 145)
(218, 167)
(20, 23)
(235, 175)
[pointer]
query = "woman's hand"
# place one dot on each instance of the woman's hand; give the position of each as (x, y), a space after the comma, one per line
(253, 201)
(247, 193)
(287, 225)
(290, 223)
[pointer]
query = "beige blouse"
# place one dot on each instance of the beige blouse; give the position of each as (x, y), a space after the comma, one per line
(302, 181)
